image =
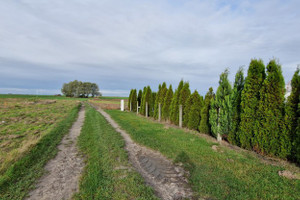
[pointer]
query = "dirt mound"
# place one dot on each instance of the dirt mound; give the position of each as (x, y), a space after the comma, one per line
(288, 174)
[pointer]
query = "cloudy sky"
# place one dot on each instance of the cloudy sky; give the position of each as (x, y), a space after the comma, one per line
(124, 44)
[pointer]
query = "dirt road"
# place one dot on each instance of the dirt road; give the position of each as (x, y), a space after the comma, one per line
(165, 178)
(61, 181)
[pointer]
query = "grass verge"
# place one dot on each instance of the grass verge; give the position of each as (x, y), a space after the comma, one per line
(107, 174)
(221, 174)
(19, 178)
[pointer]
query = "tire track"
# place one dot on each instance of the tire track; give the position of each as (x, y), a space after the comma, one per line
(162, 175)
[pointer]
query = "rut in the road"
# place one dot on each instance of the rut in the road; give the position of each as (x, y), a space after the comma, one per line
(166, 179)
(61, 181)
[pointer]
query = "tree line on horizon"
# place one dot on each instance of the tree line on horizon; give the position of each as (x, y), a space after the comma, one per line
(252, 114)
(80, 89)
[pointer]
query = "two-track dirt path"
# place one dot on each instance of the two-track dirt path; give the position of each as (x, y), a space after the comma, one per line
(61, 181)
(162, 175)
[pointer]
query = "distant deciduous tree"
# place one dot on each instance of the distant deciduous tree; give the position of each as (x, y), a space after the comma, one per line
(80, 89)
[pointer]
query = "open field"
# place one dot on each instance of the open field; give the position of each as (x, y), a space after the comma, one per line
(108, 103)
(216, 172)
(24, 122)
(119, 98)
(29, 133)
(108, 174)
(27, 96)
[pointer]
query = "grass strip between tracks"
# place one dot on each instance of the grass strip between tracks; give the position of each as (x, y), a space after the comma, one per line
(108, 173)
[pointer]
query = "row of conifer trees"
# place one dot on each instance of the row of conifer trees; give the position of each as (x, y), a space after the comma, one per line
(253, 114)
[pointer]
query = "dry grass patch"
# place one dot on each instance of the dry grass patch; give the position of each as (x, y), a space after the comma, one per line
(23, 122)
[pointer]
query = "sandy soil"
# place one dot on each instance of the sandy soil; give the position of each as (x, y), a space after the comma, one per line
(61, 181)
(166, 179)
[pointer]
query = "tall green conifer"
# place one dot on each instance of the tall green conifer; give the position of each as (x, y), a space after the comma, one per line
(250, 101)
(175, 104)
(292, 116)
(187, 108)
(184, 95)
(195, 111)
(143, 102)
(160, 98)
(129, 99)
(270, 136)
(236, 106)
(139, 98)
(157, 99)
(167, 104)
(204, 123)
(133, 100)
(221, 108)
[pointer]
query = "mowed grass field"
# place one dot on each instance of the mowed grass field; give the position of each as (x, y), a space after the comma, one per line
(107, 174)
(222, 173)
(30, 130)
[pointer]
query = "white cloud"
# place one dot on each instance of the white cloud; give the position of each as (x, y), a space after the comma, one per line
(122, 44)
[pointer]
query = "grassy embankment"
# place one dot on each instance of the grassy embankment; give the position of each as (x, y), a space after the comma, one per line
(107, 174)
(29, 136)
(225, 174)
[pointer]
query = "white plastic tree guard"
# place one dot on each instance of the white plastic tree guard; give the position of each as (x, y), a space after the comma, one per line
(122, 105)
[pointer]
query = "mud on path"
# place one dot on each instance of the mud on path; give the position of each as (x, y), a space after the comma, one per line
(61, 181)
(166, 179)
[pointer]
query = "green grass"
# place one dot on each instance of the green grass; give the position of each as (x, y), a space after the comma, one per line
(23, 123)
(215, 175)
(104, 150)
(20, 177)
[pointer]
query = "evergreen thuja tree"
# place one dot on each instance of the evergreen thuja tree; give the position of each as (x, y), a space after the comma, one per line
(296, 142)
(134, 100)
(204, 126)
(167, 103)
(157, 101)
(187, 108)
(184, 95)
(160, 98)
(250, 101)
(129, 99)
(143, 101)
(148, 99)
(220, 112)
(195, 111)
(139, 98)
(152, 104)
(163, 95)
(174, 115)
(292, 116)
(270, 136)
(236, 106)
